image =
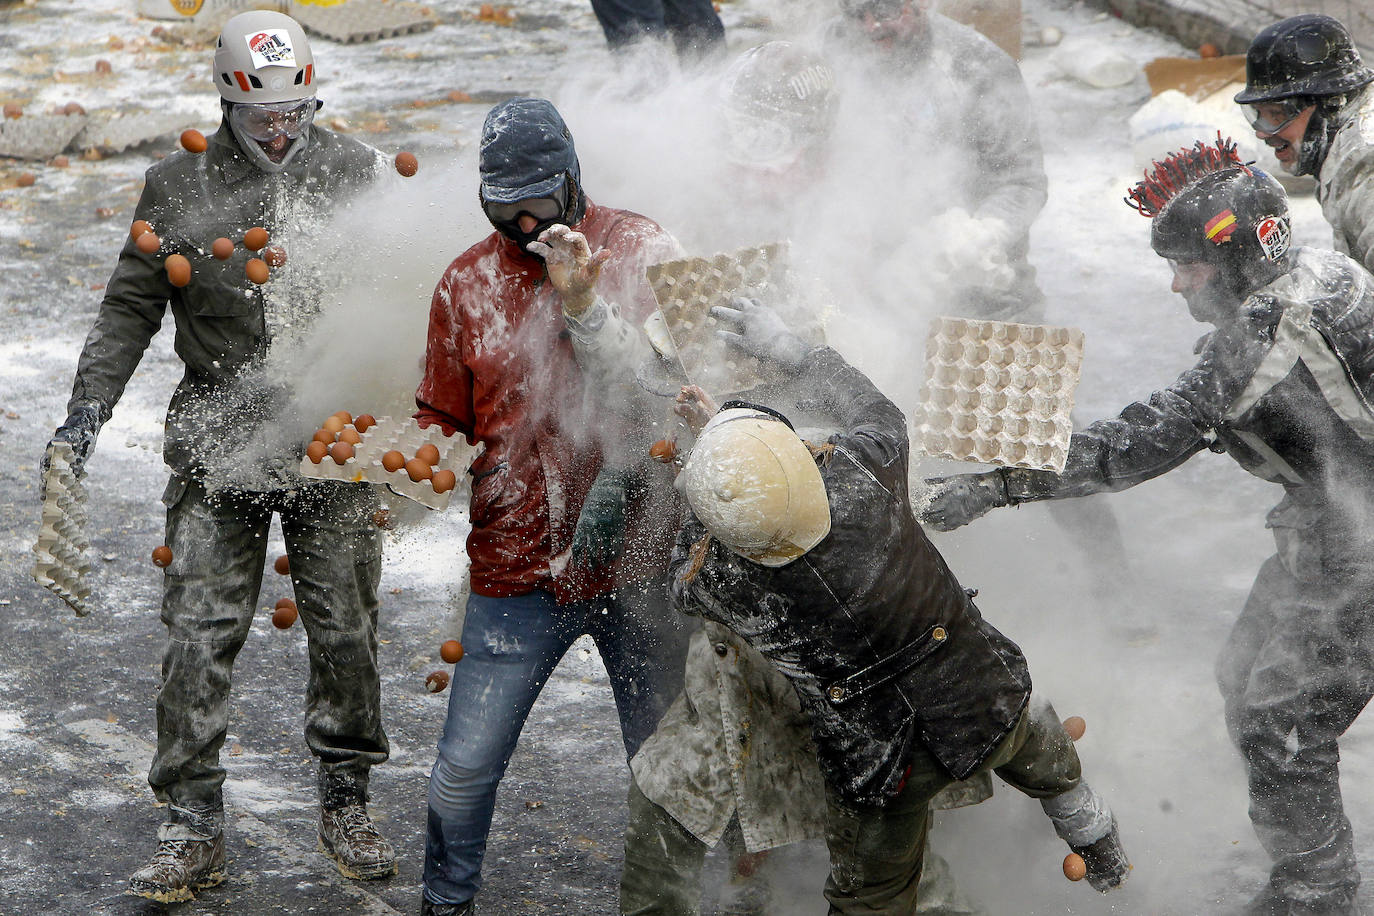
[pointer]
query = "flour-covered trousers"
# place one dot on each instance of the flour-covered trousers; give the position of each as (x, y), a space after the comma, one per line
(210, 599)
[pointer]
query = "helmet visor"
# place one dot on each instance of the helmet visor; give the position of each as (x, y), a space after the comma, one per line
(1272, 117)
(265, 122)
(755, 140)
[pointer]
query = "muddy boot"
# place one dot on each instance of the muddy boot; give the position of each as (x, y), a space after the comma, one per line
(180, 867)
(428, 908)
(349, 838)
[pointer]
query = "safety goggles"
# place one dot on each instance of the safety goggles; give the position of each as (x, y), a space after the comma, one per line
(541, 208)
(879, 10)
(267, 121)
(1289, 110)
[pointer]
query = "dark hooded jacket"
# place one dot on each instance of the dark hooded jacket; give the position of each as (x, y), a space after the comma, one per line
(191, 199)
(883, 646)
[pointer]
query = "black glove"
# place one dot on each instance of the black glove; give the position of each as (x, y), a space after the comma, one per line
(600, 533)
(79, 431)
(956, 501)
(758, 330)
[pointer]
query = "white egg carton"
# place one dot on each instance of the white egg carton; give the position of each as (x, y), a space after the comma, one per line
(999, 393)
(38, 137)
(114, 131)
(688, 288)
(362, 20)
(405, 436)
(60, 563)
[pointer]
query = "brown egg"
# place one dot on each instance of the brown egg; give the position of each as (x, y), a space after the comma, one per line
(436, 681)
(138, 227)
(162, 556)
(1075, 869)
(1075, 726)
(104, 212)
(1207, 49)
(419, 470)
(257, 270)
(444, 480)
(148, 242)
(282, 565)
(451, 651)
(26, 179)
(60, 162)
(255, 239)
(316, 450)
(285, 614)
(178, 268)
(382, 519)
(285, 602)
(341, 452)
(364, 422)
(333, 424)
(274, 255)
(222, 248)
(663, 450)
(428, 453)
(407, 164)
(344, 416)
(350, 435)
(325, 436)
(193, 141)
(393, 460)
(14, 110)
(72, 108)
(103, 67)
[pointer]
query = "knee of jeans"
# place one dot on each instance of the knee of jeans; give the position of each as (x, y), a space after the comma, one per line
(454, 782)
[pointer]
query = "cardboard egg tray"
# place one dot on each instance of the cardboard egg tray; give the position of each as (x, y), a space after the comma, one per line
(361, 20)
(60, 563)
(686, 291)
(405, 436)
(999, 393)
(38, 137)
(115, 131)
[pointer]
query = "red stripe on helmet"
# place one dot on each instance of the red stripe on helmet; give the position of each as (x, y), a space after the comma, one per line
(309, 71)
(243, 80)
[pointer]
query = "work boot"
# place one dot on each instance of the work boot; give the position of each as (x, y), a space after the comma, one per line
(349, 838)
(428, 908)
(179, 868)
(1106, 861)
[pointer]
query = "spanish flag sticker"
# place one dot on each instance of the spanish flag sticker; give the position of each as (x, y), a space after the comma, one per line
(1220, 227)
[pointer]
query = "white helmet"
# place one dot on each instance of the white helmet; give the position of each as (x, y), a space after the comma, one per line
(263, 56)
(755, 486)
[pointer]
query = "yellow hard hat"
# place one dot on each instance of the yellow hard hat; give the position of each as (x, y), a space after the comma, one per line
(755, 486)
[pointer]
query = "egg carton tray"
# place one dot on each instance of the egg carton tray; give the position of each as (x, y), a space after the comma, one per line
(38, 137)
(60, 553)
(999, 393)
(405, 436)
(115, 131)
(687, 289)
(352, 21)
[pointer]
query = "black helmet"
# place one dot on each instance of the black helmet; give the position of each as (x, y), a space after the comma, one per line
(527, 152)
(1207, 206)
(777, 101)
(1307, 55)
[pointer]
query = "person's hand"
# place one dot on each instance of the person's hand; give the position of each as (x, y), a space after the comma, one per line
(758, 330)
(956, 501)
(600, 533)
(78, 431)
(695, 406)
(573, 269)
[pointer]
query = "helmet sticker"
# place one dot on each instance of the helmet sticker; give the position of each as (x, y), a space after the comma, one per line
(1274, 234)
(1220, 227)
(271, 48)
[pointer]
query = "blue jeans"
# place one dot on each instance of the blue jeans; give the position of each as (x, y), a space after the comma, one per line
(512, 646)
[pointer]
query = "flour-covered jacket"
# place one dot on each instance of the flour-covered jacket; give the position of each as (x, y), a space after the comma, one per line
(1286, 389)
(225, 324)
(883, 646)
(1345, 182)
(736, 742)
(500, 367)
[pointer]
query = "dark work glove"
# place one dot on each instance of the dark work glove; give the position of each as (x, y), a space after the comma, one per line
(600, 533)
(758, 330)
(956, 501)
(79, 431)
